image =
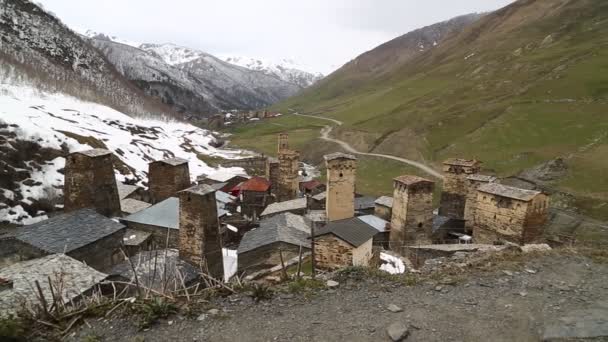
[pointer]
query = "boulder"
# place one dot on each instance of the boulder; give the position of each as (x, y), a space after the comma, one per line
(398, 331)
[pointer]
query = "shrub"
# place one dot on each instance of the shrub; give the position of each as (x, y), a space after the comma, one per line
(12, 329)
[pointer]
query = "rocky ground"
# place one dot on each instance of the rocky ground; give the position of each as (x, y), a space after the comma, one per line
(557, 295)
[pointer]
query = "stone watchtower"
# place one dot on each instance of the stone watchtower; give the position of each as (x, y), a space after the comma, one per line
(90, 182)
(288, 175)
(453, 196)
(474, 181)
(199, 237)
(341, 175)
(167, 177)
(412, 218)
(272, 174)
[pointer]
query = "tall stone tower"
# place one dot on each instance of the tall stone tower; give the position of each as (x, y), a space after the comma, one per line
(341, 175)
(283, 142)
(272, 174)
(167, 177)
(453, 196)
(200, 241)
(90, 182)
(474, 181)
(412, 218)
(288, 175)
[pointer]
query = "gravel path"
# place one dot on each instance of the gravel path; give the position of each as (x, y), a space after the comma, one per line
(525, 303)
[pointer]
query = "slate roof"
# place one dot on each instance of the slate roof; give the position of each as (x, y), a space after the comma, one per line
(481, 178)
(509, 191)
(96, 152)
(200, 189)
(124, 190)
(167, 264)
(339, 155)
(67, 232)
(286, 227)
(316, 215)
(257, 184)
(375, 222)
(76, 278)
(365, 202)
(172, 161)
(131, 205)
(281, 207)
(162, 214)
(218, 186)
(386, 201)
(353, 230)
(461, 162)
(320, 196)
(134, 237)
(410, 179)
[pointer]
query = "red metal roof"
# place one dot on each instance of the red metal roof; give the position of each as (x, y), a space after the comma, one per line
(258, 184)
(311, 184)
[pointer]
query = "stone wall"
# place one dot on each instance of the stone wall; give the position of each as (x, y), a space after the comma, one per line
(383, 212)
(272, 174)
(340, 201)
(412, 217)
(166, 180)
(471, 203)
(283, 142)
(162, 237)
(500, 218)
(332, 253)
(90, 183)
(13, 251)
(267, 256)
(101, 254)
(363, 254)
(254, 166)
(254, 202)
(199, 232)
(288, 185)
(454, 192)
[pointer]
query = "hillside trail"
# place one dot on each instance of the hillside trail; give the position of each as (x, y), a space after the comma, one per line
(325, 136)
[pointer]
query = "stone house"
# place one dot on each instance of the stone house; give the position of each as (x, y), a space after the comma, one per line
(412, 216)
(135, 241)
(254, 196)
(83, 235)
(295, 206)
(90, 183)
(474, 181)
(454, 192)
(318, 201)
(13, 250)
(312, 187)
(130, 206)
(505, 213)
(344, 243)
(341, 174)
(261, 247)
(365, 205)
(167, 177)
(384, 207)
(382, 227)
(75, 277)
(160, 220)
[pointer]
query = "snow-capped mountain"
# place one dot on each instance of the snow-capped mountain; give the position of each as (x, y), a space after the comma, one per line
(103, 36)
(38, 129)
(173, 54)
(286, 69)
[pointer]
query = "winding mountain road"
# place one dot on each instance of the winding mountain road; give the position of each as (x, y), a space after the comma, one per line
(325, 136)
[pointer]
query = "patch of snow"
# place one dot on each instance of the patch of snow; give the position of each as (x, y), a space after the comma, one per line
(469, 56)
(230, 260)
(391, 264)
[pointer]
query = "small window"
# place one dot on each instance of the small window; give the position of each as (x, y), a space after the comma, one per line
(420, 225)
(341, 175)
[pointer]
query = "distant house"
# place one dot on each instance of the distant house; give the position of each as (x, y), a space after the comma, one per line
(384, 207)
(136, 241)
(318, 201)
(254, 195)
(70, 278)
(381, 226)
(161, 220)
(365, 205)
(83, 235)
(295, 206)
(312, 187)
(344, 243)
(261, 247)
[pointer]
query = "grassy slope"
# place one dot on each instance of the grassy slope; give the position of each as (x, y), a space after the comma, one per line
(506, 105)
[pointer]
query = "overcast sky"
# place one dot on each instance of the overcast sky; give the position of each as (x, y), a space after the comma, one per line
(322, 34)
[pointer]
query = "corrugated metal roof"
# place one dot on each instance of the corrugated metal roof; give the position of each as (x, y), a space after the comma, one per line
(509, 191)
(280, 207)
(286, 227)
(375, 222)
(69, 231)
(353, 230)
(386, 201)
(257, 184)
(162, 214)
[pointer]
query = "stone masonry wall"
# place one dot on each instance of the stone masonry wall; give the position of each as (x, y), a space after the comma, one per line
(288, 184)
(363, 254)
(332, 253)
(272, 174)
(90, 183)
(160, 239)
(199, 233)
(165, 180)
(536, 219)
(453, 195)
(499, 218)
(412, 219)
(13, 251)
(471, 203)
(340, 200)
(101, 254)
(267, 256)
(383, 212)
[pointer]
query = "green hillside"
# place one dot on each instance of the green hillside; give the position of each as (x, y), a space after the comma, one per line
(519, 87)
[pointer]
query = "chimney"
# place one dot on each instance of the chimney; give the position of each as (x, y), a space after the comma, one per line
(90, 183)
(167, 177)
(199, 231)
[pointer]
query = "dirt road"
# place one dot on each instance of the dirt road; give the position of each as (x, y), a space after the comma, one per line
(325, 132)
